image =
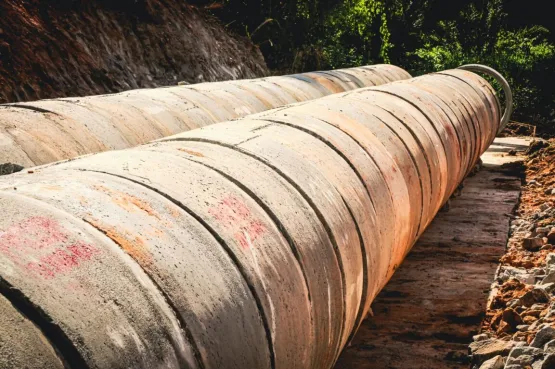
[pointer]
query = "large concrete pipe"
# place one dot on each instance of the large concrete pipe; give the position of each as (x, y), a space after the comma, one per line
(257, 243)
(42, 132)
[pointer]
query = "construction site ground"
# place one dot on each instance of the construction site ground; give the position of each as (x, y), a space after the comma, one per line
(436, 302)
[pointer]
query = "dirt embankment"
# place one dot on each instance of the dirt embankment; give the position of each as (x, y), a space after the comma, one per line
(63, 48)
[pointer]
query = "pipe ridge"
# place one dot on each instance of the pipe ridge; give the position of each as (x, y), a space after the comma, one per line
(432, 124)
(472, 87)
(279, 225)
(317, 136)
(222, 243)
(165, 296)
(32, 108)
(363, 247)
(315, 208)
(60, 342)
(478, 91)
(443, 111)
(419, 144)
(470, 122)
(359, 318)
(369, 155)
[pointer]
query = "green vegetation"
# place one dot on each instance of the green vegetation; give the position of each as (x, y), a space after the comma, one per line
(420, 35)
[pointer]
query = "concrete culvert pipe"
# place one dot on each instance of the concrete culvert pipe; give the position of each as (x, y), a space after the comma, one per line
(42, 132)
(257, 243)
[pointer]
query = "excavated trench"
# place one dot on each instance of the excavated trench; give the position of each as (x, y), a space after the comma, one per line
(425, 317)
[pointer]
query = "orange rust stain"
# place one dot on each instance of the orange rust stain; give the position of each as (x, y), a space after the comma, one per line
(155, 232)
(128, 202)
(83, 201)
(191, 152)
(131, 203)
(134, 246)
(102, 188)
(174, 212)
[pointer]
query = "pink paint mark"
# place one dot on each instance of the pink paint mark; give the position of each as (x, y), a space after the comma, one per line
(40, 246)
(235, 215)
(36, 232)
(62, 261)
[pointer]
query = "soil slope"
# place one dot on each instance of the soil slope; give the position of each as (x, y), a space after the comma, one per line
(63, 48)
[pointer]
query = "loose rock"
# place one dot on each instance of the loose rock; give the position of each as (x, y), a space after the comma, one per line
(547, 287)
(548, 362)
(484, 350)
(550, 259)
(481, 337)
(532, 244)
(534, 296)
(497, 362)
(543, 336)
(549, 347)
(9, 168)
(543, 230)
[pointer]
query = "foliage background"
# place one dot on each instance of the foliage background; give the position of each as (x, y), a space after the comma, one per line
(514, 36)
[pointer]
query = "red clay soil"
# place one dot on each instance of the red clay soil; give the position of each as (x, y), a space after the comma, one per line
(57, 48)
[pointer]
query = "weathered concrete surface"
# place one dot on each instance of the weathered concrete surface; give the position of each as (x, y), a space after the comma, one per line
(22, 345)
(426, 316)
(46, 131)
(256, 185)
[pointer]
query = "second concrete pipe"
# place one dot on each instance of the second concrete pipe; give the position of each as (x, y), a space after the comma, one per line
(45, 131)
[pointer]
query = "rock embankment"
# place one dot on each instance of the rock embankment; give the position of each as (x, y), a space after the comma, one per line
(519, 330)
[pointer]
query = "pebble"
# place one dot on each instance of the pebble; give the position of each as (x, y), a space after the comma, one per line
(549, 278)
(549, 347)
(508, 272)
(543, 230)
(547, 246)
(532, 244)
(517, 352)
(550, 259)
(533, 296)
(481, 337)
(543, 336)
(545, 206)
(521, 360)
(547, 287)
(548, 362)
(497, 362)
(484, 350)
